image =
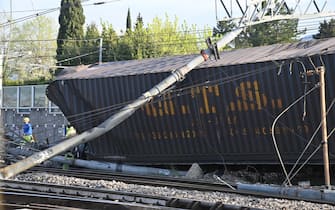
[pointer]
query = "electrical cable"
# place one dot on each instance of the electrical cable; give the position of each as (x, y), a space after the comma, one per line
(310, 156)
(38, 10)
(44, 12)
(305, 90)
(184, 89)
(78, 56)
(82, 117)
(187, 32)
(308, 144)
(202, 127)
(273, 127)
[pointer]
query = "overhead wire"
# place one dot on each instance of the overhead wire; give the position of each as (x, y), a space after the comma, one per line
(188, 32)
(309, 157)
(78, 56)
(38, 10)
(94, 115)
(273, 128)
(308, 144)
(181, 91)
(212, 82)
(46, 11)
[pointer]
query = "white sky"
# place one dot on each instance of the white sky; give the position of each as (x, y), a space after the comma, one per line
(192, 11)
(199, 12)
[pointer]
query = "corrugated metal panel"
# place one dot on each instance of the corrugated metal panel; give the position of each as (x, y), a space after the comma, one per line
(235, 57)
(217, 114)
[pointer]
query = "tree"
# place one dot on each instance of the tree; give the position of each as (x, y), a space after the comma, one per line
(71, 21)
(160, 38)
(326, 30)
(128, 25)
(91, 44)
(168, 38)
(31, 52)
(280, 31)
(110, 40)
(140, 42)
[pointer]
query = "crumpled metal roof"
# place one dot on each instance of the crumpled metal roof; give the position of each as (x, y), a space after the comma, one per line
(234, 57)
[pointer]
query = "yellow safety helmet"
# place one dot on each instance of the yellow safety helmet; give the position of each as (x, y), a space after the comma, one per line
(26, 119)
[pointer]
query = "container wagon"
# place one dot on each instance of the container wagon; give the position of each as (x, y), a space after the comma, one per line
(222, 112)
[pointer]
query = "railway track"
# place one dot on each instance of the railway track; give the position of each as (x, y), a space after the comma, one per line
(178, 183)
(48, 196)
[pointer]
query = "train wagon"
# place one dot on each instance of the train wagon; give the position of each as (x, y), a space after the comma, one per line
(222, 112)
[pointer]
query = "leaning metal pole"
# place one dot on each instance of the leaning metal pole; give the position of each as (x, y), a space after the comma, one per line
(321, 72)
(115, 119)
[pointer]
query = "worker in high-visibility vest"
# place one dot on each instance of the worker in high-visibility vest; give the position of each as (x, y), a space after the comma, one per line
(70, 131)
(27, 130)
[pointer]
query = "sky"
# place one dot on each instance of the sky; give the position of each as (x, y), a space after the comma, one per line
(199, 12)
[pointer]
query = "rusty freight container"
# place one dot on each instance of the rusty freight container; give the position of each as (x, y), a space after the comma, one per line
(222, 112)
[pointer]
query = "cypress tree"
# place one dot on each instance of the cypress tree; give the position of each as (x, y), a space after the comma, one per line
(128, 26)
(71, 20)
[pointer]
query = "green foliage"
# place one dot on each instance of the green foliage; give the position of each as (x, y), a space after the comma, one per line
(280, 31)
(110, 41)
(160, 38)
(128, 24)
(141, 41)
(91, 45)
(165, 37)
(28, 59)
(71, 21)
(326, 30)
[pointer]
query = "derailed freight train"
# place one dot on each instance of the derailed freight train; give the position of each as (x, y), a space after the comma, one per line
(222, 112)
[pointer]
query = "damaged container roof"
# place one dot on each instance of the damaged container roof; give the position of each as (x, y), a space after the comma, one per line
(235, 57)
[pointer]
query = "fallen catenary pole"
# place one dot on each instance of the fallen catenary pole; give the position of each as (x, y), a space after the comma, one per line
(115, 167)
(117, 118)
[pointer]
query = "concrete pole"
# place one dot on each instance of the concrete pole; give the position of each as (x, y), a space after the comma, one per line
(100, 50)
(321, 71)
(106, 166)
(2, 131)
(1, 74)
(116, 119)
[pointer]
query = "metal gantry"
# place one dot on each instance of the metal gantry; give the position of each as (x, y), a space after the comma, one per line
(262, 10)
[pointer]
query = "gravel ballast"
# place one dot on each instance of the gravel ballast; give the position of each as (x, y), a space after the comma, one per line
(227, 198)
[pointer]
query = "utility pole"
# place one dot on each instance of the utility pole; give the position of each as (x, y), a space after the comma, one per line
(100, 50)
(321, 72)
(1, 73)
(2, 142)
